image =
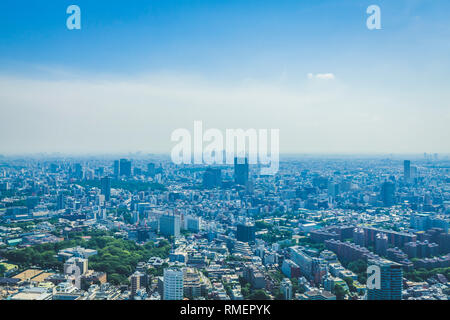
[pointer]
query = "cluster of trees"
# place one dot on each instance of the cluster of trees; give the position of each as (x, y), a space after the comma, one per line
(306, 241)
(359, 267)
(25, 225)
(276, 235)
(41, 255)
(259, 294)
(250, 294)
(340, 292)
(350, 284)
(261, 225)
(158, 271)
(117, 257)
(2, 270)
(419, 275)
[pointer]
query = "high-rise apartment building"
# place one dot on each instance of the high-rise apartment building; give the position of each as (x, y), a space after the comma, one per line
(286, 289)
(391, 282)
(173, 284)
(135, 281)
(169, 225)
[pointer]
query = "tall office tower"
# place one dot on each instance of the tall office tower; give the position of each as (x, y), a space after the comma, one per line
(106, 188)
(136, 282)
(388, 193)
(391, 281)
(212, 178)
(169, 225)
(125, 167)
(173, 284)
(116, 169)
(60, 202)
(381, 244)
(151, 169)
(78, 171)
(286, 288)
(407, 170)
(245, 232)
(241, 171)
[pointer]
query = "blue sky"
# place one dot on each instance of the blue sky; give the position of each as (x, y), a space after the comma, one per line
(220, 46)
(220, 37)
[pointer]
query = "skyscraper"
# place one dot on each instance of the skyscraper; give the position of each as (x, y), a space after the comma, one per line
(241, 171)
(173, 284)
(212, 178)
(388, 193)
(106, 188)
(125, 167)
(391, 281)
(78, 171)
(116, 169)
(60, 201)
(407, 170)
(151, 169)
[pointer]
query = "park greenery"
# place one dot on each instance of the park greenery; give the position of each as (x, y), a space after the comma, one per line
(2, 270)
(359, 267)
(421, 274)
(116, 257)
(340, 292)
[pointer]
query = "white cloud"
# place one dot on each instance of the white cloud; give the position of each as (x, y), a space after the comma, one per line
(321, 76)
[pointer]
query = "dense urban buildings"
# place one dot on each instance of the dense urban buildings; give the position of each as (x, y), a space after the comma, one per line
(141, 228)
